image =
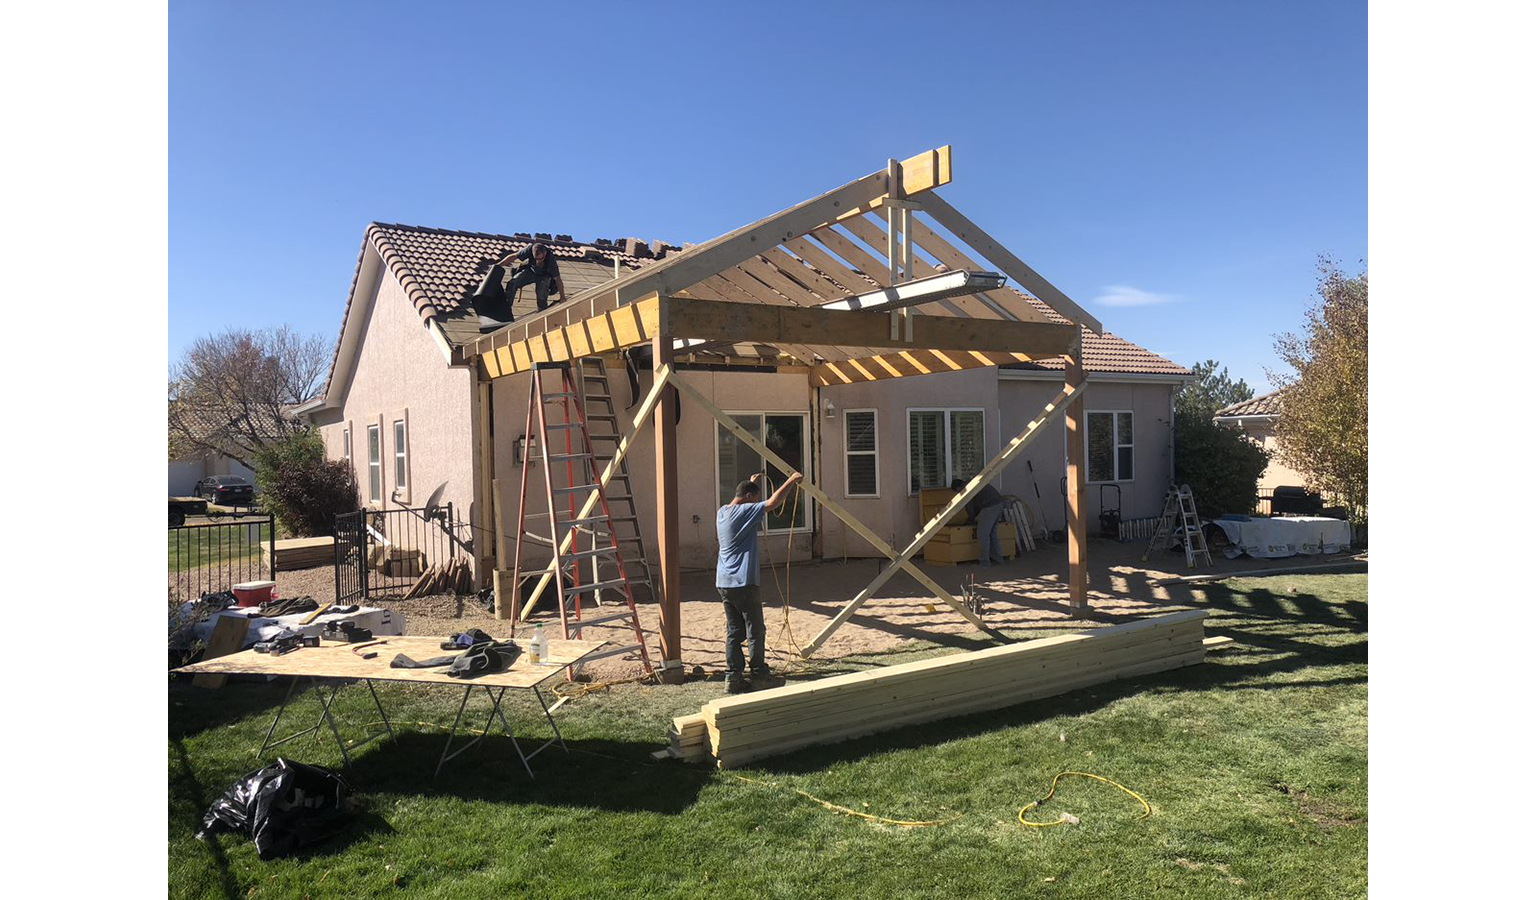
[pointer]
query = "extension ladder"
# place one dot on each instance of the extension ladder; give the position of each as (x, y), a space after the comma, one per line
(579, 531)
(1179, 510)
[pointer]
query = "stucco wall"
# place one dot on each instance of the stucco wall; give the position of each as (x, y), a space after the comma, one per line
(1276, 473)
(400, 371)
(697, 501)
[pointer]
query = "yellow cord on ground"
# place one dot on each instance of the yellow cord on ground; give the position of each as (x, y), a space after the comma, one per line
(1146, 807)
(904, 823)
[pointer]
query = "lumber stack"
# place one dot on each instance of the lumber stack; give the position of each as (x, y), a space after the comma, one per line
(766, 723)
(956, 541)
(299, 553)
(688, 738)
(452, 576)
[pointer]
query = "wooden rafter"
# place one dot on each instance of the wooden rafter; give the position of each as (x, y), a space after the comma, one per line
(905, 363)
(1010, 265)
(875, 236)
(607, 332)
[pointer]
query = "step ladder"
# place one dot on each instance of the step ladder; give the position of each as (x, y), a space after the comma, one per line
(565, 458)
(1179, 512)
(603, 429)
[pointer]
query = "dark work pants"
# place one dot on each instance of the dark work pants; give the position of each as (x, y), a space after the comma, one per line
(541, 286)
(743, 619)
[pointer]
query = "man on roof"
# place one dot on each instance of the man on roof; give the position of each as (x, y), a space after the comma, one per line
(538, 268)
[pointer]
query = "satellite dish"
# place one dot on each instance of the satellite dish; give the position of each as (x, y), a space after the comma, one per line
(434, 500)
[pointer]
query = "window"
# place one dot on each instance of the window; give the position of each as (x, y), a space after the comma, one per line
(346, 444)
(785, 434)
(1110, 451)
(861, 452)
(944, 444)
(401, 485)
(375, 470)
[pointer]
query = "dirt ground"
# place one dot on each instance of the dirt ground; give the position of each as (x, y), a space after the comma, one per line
(1028, 591)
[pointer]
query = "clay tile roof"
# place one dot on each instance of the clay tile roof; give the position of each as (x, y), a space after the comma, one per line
(1105, 353)
(1267, 405)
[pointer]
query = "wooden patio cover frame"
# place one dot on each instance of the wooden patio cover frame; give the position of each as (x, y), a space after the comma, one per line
(758, 297)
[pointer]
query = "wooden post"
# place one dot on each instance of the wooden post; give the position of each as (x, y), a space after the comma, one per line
(487, 558)
(669, 597)
(1077, 485)
(503, 587)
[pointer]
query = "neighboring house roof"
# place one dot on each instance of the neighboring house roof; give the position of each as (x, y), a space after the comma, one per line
(440, 268)
(1267, 406)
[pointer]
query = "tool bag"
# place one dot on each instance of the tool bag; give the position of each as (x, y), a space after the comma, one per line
(483, 659)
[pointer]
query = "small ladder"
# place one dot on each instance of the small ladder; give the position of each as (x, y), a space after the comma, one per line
(1179, 510)
(565, 448)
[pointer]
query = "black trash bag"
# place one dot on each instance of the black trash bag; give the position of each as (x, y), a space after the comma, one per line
(283, 807)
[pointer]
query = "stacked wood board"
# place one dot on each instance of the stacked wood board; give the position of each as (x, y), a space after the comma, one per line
(300, 553)
(766, 723)
(688, 738)
(956, 541)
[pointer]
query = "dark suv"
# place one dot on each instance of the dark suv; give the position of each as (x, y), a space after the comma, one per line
(226, 490)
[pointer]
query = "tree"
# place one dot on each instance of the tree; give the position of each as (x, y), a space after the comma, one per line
(1210, 391)
(1323, 429)
(303, 489)
(1220, 465)
(232, 393)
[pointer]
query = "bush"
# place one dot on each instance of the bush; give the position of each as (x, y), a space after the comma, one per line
(303, 489)
(1220, 465)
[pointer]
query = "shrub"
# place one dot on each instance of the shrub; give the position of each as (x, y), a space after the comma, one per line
(303, 489)
(1220, 465)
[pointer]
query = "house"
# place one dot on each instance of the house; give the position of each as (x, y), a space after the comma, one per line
(185, 472)
(402, 404)
(1257, 419)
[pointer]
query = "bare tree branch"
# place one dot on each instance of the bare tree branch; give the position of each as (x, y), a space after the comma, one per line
(232, 393)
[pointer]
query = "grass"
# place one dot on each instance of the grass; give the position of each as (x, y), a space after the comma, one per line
(225, 542)
(1254, 762)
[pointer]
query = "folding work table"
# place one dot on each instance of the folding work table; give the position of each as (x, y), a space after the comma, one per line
(335, 664)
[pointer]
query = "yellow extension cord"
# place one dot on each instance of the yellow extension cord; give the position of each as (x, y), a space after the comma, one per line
(1146, 807)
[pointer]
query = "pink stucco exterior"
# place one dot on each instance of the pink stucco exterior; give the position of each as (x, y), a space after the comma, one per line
(400, 374)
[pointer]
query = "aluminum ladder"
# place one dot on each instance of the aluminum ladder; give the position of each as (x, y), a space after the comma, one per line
(1179, 511)
(579, 531)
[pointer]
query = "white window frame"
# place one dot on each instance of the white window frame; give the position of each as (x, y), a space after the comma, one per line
(376, 484)
(949, 467)
(1115, 434)
(850, 453)
(346, 443)
(806, 503)
(402, 457)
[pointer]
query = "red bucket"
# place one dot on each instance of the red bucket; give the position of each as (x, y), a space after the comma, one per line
(254, 593)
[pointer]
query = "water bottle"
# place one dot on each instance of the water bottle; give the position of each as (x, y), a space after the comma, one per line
(538, 648)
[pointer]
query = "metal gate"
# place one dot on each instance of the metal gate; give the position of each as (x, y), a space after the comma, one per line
(218, 552)
(351, 559)
(384, 552)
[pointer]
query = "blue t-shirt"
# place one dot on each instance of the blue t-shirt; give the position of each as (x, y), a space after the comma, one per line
(736, 526)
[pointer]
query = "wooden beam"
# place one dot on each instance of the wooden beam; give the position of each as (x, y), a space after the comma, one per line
(934, 244)
(1006, 262)
(1014, 448)
(669, 558)
(481, 424)
(617, 329)
(1077, 485)
(753, 291)
(826, 501)
(718, 321)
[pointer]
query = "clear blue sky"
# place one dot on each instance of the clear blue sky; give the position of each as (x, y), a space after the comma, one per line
(1190, 159)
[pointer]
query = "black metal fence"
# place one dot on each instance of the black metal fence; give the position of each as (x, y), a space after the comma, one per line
(216, 554)
(384, 552)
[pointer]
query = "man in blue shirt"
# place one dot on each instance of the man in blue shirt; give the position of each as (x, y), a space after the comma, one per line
(736, 577)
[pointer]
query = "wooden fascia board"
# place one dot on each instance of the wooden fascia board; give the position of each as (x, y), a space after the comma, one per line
(714, 320)
(1001, 257)
(617, 329)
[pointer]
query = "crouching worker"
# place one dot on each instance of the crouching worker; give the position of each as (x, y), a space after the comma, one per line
(985, 509)
(736, 577)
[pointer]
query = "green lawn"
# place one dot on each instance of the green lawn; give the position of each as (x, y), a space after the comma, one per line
(1254, 763)
(228, 541)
